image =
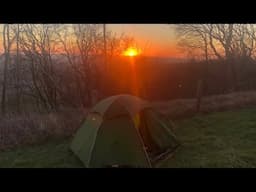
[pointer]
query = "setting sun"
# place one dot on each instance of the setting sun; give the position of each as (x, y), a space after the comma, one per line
(131, 52)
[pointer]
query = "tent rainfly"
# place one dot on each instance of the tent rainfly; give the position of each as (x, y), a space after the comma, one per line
(123, 130)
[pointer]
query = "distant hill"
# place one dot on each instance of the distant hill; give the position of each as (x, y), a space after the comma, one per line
(174, 60)
(165, 59)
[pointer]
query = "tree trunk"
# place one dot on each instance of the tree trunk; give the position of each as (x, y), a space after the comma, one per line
(104, 78)
(18, 69)
(205, 79)
(232, 75)
(199, 95)
(6, 62)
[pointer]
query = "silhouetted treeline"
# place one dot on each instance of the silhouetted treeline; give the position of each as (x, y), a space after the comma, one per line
(164, 81)
(155, 80)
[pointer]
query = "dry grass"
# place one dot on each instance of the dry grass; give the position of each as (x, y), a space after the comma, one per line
(186, 107)
(32, 128)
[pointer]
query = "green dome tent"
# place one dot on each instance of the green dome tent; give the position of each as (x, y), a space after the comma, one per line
(123, 130)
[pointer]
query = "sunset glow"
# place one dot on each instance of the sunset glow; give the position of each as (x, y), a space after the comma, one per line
(131, 52)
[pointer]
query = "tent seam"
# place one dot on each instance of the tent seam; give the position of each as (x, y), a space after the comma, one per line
(143, 146)
(92, 146)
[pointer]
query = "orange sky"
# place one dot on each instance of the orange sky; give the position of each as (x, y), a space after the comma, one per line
(156, 39)
(153, 39)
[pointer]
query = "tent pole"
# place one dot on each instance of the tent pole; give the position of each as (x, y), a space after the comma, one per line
(143, 146)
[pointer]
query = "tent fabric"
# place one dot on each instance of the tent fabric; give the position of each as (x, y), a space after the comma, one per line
(123, 149)
(162, 138)
(132, 104)
(103, 141)
(122, 130)
(85, 137)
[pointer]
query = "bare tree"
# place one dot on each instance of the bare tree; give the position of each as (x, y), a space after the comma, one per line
(83, 46)
(18, 87)
(37, 43)
(86, 53)
(8, 40)
(89, 40)
(195, 37)
(226, 42)
(56, 65)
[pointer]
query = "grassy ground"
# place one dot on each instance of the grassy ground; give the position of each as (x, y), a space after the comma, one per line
(50, 155)
(222, 139)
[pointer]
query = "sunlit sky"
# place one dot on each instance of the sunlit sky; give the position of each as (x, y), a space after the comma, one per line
(158, 40)
(155, 39)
